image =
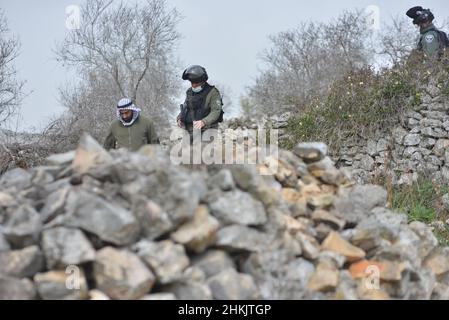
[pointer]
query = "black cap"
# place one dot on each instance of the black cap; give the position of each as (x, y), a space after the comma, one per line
(413, 12)
(420, 15)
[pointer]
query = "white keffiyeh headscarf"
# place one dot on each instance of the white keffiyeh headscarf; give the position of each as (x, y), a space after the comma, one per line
(127, 104)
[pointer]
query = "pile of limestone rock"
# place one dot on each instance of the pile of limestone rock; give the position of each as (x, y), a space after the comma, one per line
(97, 225)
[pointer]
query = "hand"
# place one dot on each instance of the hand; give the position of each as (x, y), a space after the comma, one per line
(180, 123)
(198, 124)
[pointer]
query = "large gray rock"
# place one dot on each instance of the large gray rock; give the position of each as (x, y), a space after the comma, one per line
(367, 163)
(231, 285)
(199, 233)
(223, 179)
(398, 134)
(109, 221)
(325, 164)
(309, 246)
(380, 229)
(434, 132)
(428, 241)
(213, 262)
(127, 167)
(245, 176)
(21, 263)
(412, 123)
(121, 274)
(357, 204)
(237, 207)
(16, 289)
(54, 205)
(61, 285)
(381, 216)
(400, 254)
(279, 275)
(414, 114)
(89, 154)
(18, 179)
(167, 259)
(427, 143)
(382, 145)
(64, 246)
(412, 139)
(426, 122)
(369, 238)
(311, 151)
(238, 238)
(23, 227)
(176, 192)
(194, 274)
(154, 221)
(371, 147)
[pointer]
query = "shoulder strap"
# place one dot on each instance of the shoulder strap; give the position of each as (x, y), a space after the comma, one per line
(420, 42)
(207, 88)
(218, 91)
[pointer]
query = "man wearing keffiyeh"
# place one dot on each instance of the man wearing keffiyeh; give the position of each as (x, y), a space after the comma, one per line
(131, 130)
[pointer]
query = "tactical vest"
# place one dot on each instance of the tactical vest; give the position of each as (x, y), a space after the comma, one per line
(195, 105)
(443, 40)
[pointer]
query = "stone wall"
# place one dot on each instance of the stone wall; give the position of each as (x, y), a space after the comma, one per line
(136, 226)
(417, 145)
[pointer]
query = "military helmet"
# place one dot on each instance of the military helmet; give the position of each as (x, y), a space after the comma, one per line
(195, 74)
(420, 15)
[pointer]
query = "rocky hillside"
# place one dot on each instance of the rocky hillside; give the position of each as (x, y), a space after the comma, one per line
(97, 225)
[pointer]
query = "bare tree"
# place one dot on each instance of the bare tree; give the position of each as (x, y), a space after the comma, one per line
(123, 41)
(397, 40)
(303, 62)
(11, 94)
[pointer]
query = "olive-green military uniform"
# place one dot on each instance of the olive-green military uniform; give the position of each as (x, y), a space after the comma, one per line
(210, 110)
(430, 42)
(132, 137)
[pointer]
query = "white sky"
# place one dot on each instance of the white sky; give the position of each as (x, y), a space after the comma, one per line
(224, 36)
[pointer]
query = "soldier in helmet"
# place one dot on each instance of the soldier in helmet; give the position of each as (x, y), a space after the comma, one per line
(433, 41)
(203, 106)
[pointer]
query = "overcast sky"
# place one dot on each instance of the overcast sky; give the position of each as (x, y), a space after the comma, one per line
(224, 36)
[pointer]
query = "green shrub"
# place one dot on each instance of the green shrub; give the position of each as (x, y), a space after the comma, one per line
(364, 101)
(421, 201)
